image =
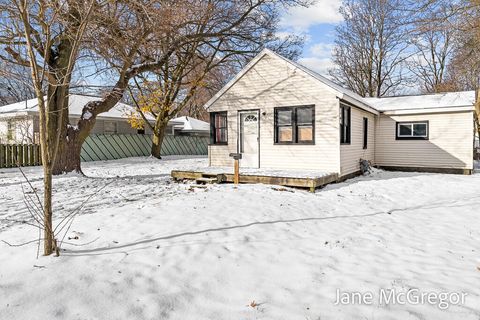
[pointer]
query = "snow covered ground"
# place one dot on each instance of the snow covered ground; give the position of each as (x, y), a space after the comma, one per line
(151, 249)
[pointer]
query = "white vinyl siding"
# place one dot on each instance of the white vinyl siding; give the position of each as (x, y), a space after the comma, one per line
(449, 144)
(271, 83)
(350, 154)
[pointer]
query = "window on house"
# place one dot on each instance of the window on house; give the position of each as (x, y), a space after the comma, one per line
(218, 128)
(295, 125)
(10, 130)
(365, 133)
(345, 124)
(141, 131)
(412, 130)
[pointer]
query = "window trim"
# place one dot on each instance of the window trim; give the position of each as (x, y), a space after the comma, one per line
(365, 133)
(347, 141)
(213, 141)
(412, 137)
(294, 125)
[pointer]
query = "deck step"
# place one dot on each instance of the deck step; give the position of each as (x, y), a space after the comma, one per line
(206, 180)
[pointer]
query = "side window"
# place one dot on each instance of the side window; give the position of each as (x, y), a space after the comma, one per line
(294, 125)
(365, 133)
(284, 125)
(345, 122)
(417, 130)
(218, 128)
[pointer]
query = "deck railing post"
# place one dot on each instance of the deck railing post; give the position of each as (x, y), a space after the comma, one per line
(236, 176)
(236, 167)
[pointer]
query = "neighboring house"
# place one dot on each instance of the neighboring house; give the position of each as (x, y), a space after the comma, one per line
(191, 127)
(281, 115)
(19, 122)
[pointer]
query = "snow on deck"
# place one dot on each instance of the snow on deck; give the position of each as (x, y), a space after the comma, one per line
(146, 248)
(427, 101)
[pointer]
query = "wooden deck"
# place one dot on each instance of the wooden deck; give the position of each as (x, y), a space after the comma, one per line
(311, 183)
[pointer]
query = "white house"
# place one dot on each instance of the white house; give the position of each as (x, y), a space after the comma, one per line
(280, 115)
(19, 122)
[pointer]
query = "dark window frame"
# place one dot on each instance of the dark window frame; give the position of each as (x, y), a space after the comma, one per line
(294, 125)
(213, 129)
(398, 123)
(365, 133)
(345, 133)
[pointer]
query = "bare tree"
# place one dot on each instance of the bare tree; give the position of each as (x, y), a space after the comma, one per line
(183, 81)
(463, 70)
(138, 38)
(433, 42)
(15, 83)
(45, 36)
(451, 31)
(371, 47)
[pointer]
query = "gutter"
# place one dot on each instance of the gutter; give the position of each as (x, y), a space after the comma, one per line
(431, 110)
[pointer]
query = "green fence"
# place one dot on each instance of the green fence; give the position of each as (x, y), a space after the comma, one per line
(117, 146)
(107, 147)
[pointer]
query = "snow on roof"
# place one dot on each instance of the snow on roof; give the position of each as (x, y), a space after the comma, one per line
(27, 105)
(191, 124)
(427, 101)
(418, 103)
(75, 107)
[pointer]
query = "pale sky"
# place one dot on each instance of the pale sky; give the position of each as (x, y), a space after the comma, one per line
(318, 24)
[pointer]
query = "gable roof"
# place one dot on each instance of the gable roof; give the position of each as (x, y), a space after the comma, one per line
(426, 102)
(429, 103)
(342, 93)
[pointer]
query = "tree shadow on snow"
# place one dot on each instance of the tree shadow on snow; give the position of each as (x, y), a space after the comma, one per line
(107, 250)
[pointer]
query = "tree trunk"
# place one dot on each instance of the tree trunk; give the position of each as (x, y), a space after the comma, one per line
(157, 139)
(69, 150)
(51, 123)
(47, 212)
(477, 111)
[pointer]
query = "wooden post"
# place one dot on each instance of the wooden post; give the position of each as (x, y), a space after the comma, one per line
(236, 176)
(19, 159)
(8, 158)
(31, 157)
(3, 156)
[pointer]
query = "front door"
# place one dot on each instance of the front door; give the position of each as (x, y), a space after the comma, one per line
(249, 138)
